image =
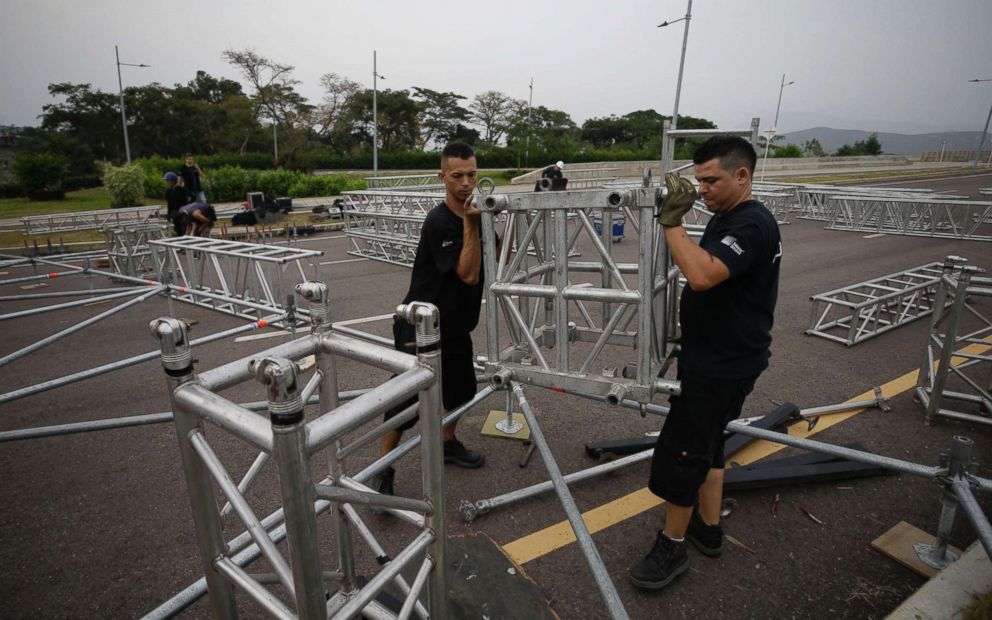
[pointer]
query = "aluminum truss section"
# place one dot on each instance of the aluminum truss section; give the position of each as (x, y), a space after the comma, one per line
(243, 279)
(128, 246)
(86, 220)
(410, 182)
(949, 372)
(814, 200)
(292, 443)
(546, 308)
(385, 225)
(915, 216)
(861, 311)
(670, 134)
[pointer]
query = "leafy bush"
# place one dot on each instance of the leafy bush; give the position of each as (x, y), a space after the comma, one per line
(275, 183)
(153, 184)
(41, 172)
(789, 150)
(229, 183)
(125, 184)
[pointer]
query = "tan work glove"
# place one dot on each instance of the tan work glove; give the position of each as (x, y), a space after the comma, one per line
(681, 196)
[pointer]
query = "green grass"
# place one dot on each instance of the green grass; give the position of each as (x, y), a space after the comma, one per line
(93, 199)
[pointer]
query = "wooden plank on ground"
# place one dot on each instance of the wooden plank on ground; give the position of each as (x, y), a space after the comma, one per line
(898, 543)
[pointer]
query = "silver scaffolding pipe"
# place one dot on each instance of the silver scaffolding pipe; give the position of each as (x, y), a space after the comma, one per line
(363, 352)
(92, 291)
(353, 414)
(377, 583)
(241, 508)
(41, 276)
(602, 577)
(252, 588)
(68, 304)
(348, 496)
(233, 418)
(75, 328)
(238, 371)
(418, 584)
(962, 490)
(131, 361)
(85, 427)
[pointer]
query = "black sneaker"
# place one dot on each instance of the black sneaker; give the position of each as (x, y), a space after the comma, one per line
(383, 483)
(666, 561)
(707, 538)
(455, 452)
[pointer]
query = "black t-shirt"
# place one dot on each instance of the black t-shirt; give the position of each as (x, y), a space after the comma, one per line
(435, 280)
(551, 173)
(191, 179)
(726, 330)
(175, 198)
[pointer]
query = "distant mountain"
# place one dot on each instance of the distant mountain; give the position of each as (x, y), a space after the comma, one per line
(892, 143)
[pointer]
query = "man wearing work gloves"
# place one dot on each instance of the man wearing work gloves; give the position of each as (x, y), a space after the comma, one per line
(726, 315)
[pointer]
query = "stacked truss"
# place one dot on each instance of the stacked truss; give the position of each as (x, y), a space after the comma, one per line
(86, 220)
(243, 279)
(128, 246)
(861, 311)
(957, 365)
(917, 216)
(385, 225)
(411, 182)
(285, 436)
(814, 200)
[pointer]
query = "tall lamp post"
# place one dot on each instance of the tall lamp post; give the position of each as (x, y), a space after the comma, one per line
(530, 102)
(685, 40)
(375, 115)
(774, 128)
(120, 86)
(981, 140)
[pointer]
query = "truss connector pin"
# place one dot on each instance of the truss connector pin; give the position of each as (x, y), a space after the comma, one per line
(880, 401)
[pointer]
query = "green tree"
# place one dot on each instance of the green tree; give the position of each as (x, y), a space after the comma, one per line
(869, 146)
(492, 112)
(813, 148)
(441, 116)
(397, 118)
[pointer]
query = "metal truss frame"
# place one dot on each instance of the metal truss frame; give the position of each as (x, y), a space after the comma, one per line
(916, 216)
(128, 246)
(420, 182)
(538, 223)
(292, 442)
(855, 313)
(243, 279)
(947, 374)
(86, 220)
(385, 225)
(814, 199)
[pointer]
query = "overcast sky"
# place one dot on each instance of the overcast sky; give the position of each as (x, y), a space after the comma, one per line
(877, 65)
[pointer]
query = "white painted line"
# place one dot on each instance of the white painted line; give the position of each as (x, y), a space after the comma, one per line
(346, 260)
(368, 319)
(875, 236)
(270, 334)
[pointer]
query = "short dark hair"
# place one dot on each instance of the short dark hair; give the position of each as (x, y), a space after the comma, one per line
(732, 151)
(188, 155)
(209, 212)
(457, 149)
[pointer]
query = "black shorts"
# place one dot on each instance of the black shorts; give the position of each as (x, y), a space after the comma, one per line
(457, 371)
(691, 441)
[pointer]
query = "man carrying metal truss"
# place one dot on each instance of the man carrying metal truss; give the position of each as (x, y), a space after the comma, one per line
(726, 315)
(447, 272)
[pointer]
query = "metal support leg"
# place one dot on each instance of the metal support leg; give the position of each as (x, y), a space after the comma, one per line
(289, 450)
(178, 362)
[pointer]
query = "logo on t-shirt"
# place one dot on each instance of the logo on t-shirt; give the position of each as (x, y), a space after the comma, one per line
(447, 243)
(731, 242)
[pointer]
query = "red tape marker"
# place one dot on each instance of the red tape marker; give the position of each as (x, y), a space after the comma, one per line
(560, 390)
(53, 275)
(263, 323)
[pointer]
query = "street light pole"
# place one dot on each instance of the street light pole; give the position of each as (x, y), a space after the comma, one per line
(985, 130)
(771, 133)
(530, 102)
(120, 87)
(685, 40)
(375, 115)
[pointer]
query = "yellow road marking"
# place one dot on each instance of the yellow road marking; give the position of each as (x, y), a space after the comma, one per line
(551, 538)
